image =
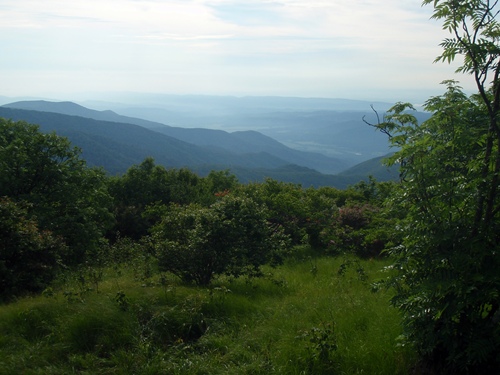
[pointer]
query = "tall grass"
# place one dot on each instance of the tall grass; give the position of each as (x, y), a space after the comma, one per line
(305, 317)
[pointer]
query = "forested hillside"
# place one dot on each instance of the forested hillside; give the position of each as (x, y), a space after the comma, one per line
(251, 156)
(238, 142)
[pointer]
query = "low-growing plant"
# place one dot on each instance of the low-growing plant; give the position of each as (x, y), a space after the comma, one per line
(170, 325)
(322, 343)
(122, 300)
(352, 263)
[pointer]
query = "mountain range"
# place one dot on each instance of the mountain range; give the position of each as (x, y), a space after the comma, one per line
(116, 142)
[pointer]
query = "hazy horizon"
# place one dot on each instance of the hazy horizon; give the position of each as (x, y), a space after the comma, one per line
(349, 49)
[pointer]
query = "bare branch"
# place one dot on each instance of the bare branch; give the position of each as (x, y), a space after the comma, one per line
(377, 125)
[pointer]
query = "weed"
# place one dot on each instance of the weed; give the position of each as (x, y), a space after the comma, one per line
(322, 342)
(72, 297)
(122, 300)
(314, 267)
(355, 263)
(218, 295)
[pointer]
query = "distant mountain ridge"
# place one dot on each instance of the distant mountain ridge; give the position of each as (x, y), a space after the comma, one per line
(73, 109)
(104, 142)
(329, 127)
(229, 104)
(240, 143)
(250, 141)
(334, 132)
(120, 141)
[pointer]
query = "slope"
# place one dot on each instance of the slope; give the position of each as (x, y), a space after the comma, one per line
(116, 146)
(240, 143)
(73, 109)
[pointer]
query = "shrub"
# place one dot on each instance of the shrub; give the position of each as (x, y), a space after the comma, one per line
(230, 237)
(361, 230)
(66, 197)
(287, 206)
(29, 258)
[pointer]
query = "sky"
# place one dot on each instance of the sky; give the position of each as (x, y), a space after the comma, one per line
(354, 49)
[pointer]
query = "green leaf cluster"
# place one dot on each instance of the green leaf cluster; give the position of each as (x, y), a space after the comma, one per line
(448, 284)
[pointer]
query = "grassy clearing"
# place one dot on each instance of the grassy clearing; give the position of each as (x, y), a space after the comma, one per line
(302, 318)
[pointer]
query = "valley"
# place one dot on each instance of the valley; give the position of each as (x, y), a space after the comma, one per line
(308, 141)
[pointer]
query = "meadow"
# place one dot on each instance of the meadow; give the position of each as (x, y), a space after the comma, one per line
(312, 315)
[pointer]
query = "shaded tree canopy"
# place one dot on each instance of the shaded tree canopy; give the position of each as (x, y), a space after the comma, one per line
(65, 196)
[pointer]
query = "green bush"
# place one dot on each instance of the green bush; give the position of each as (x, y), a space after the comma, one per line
(359, 229)
(287, 206)
(231, 237)
(29, 258)
(147, 183)
(66, 197)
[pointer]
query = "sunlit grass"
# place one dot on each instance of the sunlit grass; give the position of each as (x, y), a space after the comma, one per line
(303, 317)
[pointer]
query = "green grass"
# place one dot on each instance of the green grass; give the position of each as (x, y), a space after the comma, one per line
(302, 318)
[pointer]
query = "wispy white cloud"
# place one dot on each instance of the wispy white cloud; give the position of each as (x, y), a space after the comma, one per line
(238, 46)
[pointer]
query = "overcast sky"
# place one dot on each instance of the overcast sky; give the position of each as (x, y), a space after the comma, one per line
(354, 49)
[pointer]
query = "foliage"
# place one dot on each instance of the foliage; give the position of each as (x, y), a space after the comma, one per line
(29, 258)
(217, 184)
(231, 237)
(147, 183)
(360, 225)
(65, 196)
(303, 213)
(323, 205)
(322, 345)
(356, 230)
(286, 204)
(448, 285)
(320, 217)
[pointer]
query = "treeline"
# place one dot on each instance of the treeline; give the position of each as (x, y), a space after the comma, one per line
(58, 215)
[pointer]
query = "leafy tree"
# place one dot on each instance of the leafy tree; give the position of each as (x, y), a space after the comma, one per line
(65, 196)
(29, 258)
(148, 183)
(231, 237)
(287, 204)
(448, 285)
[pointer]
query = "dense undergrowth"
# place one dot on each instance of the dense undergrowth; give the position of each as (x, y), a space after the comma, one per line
(313, 315)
